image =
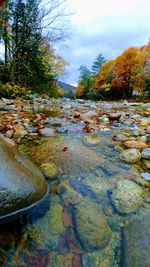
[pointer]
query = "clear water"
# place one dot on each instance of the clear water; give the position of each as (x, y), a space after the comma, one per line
(48, 236)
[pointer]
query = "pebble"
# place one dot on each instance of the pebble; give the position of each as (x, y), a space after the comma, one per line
(46, 132)
(146, 153)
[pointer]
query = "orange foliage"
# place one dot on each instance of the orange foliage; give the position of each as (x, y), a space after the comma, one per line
(79, 91)
(104, 75)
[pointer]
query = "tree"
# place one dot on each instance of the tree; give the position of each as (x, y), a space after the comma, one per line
(104, 78)
(99, 61)
(85, 82)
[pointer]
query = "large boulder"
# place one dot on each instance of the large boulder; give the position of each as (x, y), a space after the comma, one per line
(21, 183)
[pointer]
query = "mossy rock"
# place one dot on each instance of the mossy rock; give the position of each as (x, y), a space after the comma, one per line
(92, 226)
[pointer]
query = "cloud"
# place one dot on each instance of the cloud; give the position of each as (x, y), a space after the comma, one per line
(108, 27)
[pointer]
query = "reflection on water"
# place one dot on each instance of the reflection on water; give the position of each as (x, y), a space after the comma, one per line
(78, 224)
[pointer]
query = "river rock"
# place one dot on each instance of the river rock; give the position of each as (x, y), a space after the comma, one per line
(145, 122)
(68, 194)
(92, 226)
(127, 196)
(146, 153)
(49, 170)
(136, 241)
(131, 155)
(135, 144)
(46, 132)
(21, 183)
(91, 139)
(72, 157)
(114, 116)
(9, 133)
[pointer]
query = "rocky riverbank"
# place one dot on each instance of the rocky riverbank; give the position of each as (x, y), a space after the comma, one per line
(96, 159)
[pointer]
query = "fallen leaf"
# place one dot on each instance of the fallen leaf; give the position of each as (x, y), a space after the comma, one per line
(65, 149)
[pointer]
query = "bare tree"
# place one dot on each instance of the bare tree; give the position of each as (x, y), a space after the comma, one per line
(54, 19)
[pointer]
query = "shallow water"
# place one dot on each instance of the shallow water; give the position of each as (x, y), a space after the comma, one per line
(50, 235)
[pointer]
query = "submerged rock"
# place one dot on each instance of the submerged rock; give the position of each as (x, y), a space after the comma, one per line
(127, 196)
(92, 226)
(21, 183)
(69, 155)
(136, 241)
(91, 139)
(50, 170)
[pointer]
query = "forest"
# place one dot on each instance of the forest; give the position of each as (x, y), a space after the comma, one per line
(118, 78)
(29, 32)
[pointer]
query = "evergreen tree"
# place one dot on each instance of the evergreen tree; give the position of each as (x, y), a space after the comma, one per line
(99, 61)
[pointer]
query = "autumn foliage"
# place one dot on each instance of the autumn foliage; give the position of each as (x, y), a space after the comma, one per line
(119, 78)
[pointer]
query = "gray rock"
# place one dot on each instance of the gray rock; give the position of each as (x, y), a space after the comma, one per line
(127, 196)
(9, 133)
(92, 226)
(46, 132)
(137, 241)
(62, 130)
(146, 153)
(7, 101)
(21, 183)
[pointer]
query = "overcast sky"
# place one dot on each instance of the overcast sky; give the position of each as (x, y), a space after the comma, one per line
(107, 27)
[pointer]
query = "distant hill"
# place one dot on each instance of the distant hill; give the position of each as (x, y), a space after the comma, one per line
(66, 86)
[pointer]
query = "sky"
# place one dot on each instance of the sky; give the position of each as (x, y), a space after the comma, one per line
(107, 27)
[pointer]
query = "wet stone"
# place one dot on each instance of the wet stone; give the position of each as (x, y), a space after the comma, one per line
(92, 226)
(127, 196)
(49, 170)
(135, 144)
(131, 155)
(46, 132)
(21, 183)
(146, 153)
(136, 241)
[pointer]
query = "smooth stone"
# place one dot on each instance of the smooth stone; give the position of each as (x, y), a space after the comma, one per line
(56, 223)
(30, 129)
(146, 153)
(146, 164)
(88, 115)
(49, 170)
(134, 133)
(135, 144)
(148, 130)
(143, 139)
(20, 132)
(72, 157)
(92, 226)
(131, 155)
(145, 176)
(137, 241)
(91, 139)
(144, 122)
(46, 132)
(127, 196)
(62, 130)
(7, 101)
(68, 194)
(21, 183)
(114, 116)
(119, 138)
(9, 133)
